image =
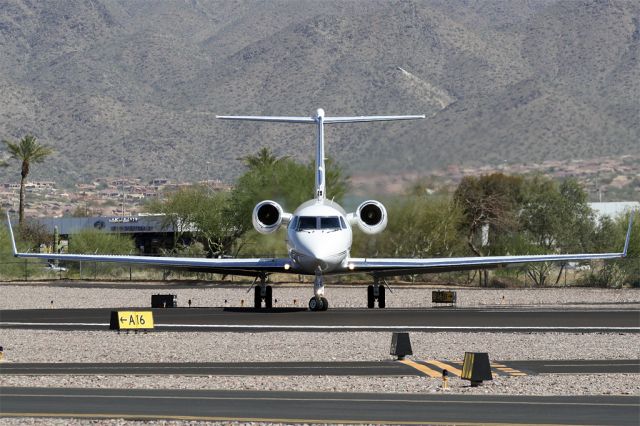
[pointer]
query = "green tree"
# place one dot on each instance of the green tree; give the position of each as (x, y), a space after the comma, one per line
(283, 180)
(263, 159)
(491, 201)
(555, 218)
(490, 206)
(418, 226)
(209, 218)
(28, 150)
(609, 235)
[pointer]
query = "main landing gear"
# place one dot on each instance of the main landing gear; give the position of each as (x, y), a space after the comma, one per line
(263, 292)
(376, 292)
(318, 302)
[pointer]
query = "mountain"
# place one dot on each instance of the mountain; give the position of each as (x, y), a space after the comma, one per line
(141, 81)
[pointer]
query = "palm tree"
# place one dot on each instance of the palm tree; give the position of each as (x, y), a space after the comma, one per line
(264, 158)
(28, 150)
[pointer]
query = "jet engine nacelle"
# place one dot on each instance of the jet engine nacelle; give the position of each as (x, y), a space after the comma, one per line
(268, 216)
(371, 217)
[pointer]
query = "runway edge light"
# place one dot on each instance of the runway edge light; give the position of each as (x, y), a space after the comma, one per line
(476, 368)
(400, 345)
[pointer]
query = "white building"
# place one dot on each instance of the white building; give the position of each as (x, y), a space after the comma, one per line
(614, 209)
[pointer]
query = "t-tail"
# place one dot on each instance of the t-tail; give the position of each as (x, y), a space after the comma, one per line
(320, 120)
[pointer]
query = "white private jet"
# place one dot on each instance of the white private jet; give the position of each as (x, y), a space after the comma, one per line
(319, 234)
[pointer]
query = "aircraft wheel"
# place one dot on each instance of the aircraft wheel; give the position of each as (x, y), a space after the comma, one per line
(381, 297)
(257, 298)
(268, 299)
(325, 304)
(314, 304)
(371, 300)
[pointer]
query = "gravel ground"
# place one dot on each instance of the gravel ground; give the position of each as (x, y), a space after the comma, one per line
(105, 346)
(109, 295)
(108, 346)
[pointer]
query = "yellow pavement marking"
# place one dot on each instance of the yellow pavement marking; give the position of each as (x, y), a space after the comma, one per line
(512, 371)
(422, 368)
(447, 367)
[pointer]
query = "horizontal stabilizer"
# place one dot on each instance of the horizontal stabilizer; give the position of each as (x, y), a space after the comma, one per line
(372, 118)
(315, 119)
(309, 120)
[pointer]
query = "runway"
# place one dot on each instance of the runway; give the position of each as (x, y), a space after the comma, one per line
(313, 407)
(336, 368)
(291, 319)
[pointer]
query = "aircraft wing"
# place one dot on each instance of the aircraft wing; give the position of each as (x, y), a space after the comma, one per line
(393, 267)
(246, 267)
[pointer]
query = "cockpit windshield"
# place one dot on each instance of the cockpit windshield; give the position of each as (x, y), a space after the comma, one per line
(331, 222)
(307, 223)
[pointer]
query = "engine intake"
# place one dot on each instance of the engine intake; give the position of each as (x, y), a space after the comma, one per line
(371, 217)
(268, 216)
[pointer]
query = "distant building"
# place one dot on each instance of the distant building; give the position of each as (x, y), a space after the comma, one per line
(614, 209)
(150, 233)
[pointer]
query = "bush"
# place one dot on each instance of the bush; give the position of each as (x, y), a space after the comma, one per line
(91, 241)
(610, 275)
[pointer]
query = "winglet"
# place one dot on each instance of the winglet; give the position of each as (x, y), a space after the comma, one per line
(13, 240)
(626, 241)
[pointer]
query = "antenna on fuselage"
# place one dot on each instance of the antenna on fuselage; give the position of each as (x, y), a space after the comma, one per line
(320, 120)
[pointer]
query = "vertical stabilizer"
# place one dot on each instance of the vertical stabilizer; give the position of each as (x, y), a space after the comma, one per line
(320, 120)
(320, 190)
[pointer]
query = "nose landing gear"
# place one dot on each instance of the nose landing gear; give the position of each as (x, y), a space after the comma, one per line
(318, 302)
(321, 304)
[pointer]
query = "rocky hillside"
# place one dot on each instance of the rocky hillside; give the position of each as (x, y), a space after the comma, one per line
(500, 81)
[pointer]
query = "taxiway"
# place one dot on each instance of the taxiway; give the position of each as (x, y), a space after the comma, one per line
(292, 319)
(335, 368)
(314, 407)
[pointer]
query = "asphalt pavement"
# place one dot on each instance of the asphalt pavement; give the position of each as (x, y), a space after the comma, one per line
(290, 319)
(336, 368)
(315, 407)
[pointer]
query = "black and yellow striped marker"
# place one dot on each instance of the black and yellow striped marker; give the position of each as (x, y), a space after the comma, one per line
(434, 368)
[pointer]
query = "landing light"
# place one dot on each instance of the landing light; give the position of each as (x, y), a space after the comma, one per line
(351, 266)
(286, 266)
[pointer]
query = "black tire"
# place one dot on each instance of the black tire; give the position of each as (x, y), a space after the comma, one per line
(381, 297)
(325, 304)
(371, 300)
(268, 298)
(257, 298)
(313, 304)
